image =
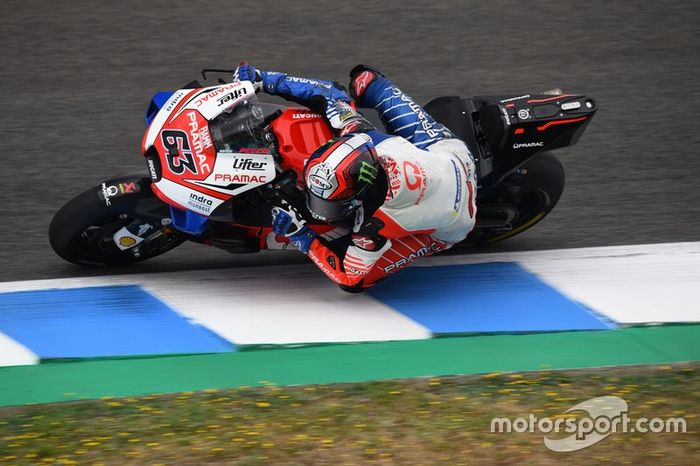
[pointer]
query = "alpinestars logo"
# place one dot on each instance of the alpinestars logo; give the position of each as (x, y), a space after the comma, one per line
(361, 83)
(528, 144)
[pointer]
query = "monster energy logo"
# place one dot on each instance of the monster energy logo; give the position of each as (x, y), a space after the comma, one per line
(368, 173)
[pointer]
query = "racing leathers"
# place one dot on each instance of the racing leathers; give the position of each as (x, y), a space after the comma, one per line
(430, 199)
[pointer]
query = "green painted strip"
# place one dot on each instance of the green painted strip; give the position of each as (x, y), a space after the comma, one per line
(62, 381)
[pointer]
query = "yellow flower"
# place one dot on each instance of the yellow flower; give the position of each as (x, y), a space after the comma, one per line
(262, 404)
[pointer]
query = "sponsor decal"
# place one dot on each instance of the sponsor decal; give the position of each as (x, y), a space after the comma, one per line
(143, 229)
(249, 164)
(230, 97)
(364, 242)
(124, 239)
(350, 127)
(321, 179)
(458, 193)
(201, 140)
(415, 178)
(571, 105)
(322, 265)
(515, 98)
(505, 115)
(361, 82)
(528, 144)
(345, 111)
(179, 155)
(354, 271)
(172, 102)
(233, 171)
(412, 175)
(404, 261)
(320, 182)
(313, 82)
(523, 114)
(152, 169)
(200, 203)
(302, 116)
(425, 123)
(118, 189)
(331, 262)
(239, 178)
(124, 188)
(105, 194)
(393, 174)
(217, 93)
(127, 241)
(254, 150)
(368, 173)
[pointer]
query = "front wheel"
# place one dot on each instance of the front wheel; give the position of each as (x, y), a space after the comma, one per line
(82, 232)
(520, 201)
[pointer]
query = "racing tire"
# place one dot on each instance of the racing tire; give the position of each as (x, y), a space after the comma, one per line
(82, 232)
(524, 198)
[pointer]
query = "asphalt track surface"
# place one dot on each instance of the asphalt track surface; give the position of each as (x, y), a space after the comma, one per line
(76, 78)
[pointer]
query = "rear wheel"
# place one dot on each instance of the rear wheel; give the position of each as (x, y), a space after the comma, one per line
(82, 232)
(520, 201)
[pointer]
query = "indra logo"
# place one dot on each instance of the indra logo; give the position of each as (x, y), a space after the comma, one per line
(201, 199)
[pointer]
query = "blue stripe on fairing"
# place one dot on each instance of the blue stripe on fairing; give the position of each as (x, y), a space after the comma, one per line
(101, 321)
(493, 297)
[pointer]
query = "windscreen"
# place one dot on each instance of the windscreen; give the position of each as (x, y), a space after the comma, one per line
(239, 127)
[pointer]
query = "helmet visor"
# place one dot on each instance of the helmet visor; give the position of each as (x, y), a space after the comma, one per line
(330, 211)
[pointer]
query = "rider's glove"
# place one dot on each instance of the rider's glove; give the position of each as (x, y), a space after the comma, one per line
(247, 72)
(287, 221)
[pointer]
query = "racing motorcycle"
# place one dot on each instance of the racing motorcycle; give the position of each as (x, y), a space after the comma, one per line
(217, 159)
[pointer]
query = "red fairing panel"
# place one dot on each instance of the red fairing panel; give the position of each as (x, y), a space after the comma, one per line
(299, 132)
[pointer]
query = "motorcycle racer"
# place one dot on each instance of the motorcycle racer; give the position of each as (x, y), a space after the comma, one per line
(406, 194)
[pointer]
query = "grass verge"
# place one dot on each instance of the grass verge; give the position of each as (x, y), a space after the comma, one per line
(415, 421)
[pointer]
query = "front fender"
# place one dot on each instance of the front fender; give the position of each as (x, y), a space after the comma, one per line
(131, 194)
